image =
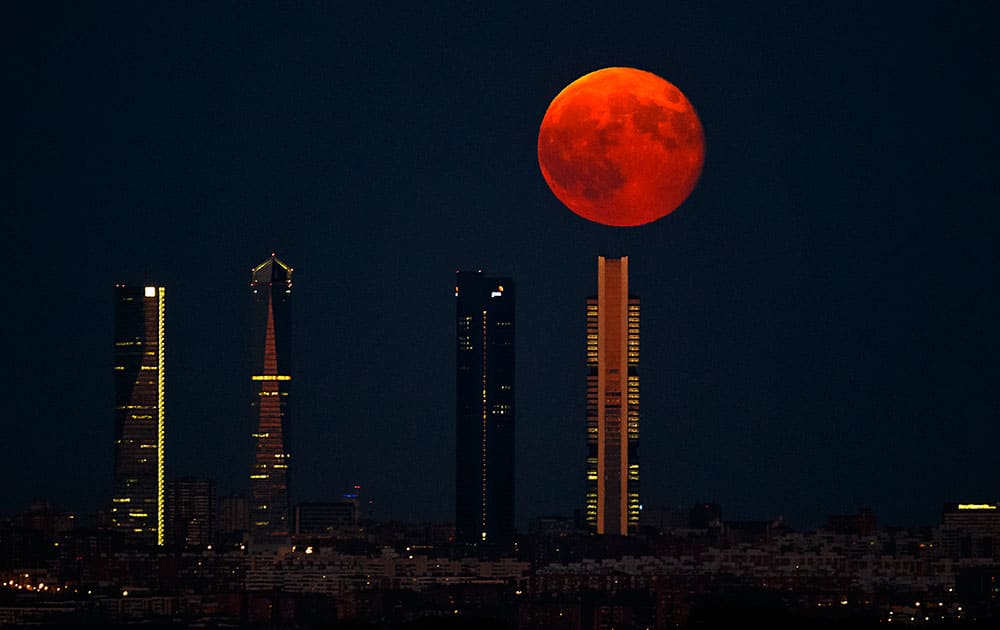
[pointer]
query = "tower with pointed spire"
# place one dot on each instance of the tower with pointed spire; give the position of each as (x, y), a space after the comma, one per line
(271, 328)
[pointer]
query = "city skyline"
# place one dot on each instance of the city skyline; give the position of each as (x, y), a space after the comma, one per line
(818, 316)
(612, 317)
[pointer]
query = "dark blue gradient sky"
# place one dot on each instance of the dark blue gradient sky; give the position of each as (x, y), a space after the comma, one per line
(819, 318)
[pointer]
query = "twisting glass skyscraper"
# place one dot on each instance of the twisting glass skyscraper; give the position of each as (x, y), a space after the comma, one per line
(612, 502)
(271, 345)
(484, 409)
(137, 503)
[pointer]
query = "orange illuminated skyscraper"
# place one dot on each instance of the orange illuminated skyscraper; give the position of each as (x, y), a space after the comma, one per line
(137, 503)
(612, 505)
(271, 343)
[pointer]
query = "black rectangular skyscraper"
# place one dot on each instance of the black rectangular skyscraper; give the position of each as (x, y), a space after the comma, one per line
(484, 408)
(271, 341)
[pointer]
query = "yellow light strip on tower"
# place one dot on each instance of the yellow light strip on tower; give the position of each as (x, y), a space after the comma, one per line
(275, 259)
(270, 377)
(160, 432)
(976, 506)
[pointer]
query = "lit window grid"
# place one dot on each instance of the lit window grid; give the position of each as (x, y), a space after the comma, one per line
(612, 399)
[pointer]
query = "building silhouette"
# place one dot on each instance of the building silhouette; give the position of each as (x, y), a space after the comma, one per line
(971, 530)
(137, 502)
(324, 517)
(232, 519)
(612, 499)
(484, 408)
(271, 341)
(190, 512)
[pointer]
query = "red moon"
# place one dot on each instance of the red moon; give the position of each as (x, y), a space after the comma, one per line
(621, 146)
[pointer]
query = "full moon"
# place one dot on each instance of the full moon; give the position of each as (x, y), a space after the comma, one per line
(621, 147)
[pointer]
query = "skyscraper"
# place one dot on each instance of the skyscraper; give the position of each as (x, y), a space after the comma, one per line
(484, 408)
(612, 505)
(271, 345)
(137, 503)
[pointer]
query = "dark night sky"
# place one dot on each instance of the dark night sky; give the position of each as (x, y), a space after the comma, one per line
(819, 318)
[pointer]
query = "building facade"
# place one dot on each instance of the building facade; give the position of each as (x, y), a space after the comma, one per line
(484, 409)
(971, 530)
(271, 345)
(190, 512)
(137, 502)
(232, 519)
(612, 499)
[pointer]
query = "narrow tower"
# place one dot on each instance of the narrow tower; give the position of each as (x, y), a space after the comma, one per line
(271, 342)
(484, 409)
(137, 503)
(612, 402)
